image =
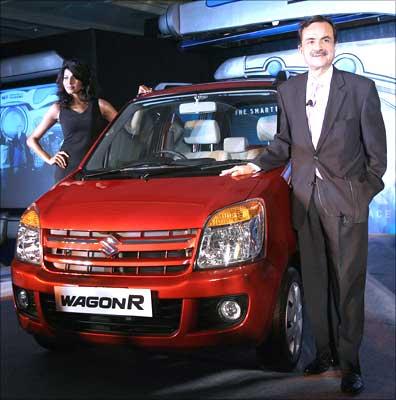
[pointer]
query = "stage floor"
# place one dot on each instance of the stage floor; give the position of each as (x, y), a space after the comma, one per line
(28, 372)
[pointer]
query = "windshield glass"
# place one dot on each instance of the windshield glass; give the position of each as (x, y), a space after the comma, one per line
(183, 130)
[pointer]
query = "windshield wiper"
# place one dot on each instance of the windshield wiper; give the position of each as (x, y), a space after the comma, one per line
(224, 163)
(160, 168)
(196, 167)
(136, 166)
(168, 171)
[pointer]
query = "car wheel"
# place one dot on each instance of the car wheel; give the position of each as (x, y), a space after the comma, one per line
(52, 344)
(282, 349)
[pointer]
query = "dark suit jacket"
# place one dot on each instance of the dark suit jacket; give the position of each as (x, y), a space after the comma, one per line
(351, 152)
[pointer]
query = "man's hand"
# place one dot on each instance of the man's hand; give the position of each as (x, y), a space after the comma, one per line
(239, 170)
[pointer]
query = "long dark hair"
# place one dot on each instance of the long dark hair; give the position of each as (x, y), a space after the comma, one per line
(82, 72)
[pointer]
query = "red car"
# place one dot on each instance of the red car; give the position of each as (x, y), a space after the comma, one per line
(145, 244)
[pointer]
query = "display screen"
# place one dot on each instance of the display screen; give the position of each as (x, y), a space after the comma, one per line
(24, 175)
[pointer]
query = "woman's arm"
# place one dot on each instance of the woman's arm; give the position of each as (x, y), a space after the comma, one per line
(33, 141)
(107, 110)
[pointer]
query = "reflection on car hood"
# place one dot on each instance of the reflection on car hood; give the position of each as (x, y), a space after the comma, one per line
(128, 205)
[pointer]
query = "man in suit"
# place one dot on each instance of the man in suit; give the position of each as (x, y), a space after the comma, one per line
(332, 130)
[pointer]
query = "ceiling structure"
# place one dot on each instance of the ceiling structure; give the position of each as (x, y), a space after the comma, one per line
(30, 19)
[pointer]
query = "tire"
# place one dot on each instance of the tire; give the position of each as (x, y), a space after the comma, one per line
(52, 344)
(282, 349)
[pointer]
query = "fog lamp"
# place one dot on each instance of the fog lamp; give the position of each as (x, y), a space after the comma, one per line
(230, 310)
(23, 299)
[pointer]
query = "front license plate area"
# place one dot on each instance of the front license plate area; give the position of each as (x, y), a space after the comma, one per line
(106, 301)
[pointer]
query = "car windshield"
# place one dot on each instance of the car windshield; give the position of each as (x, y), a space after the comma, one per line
(187, 131)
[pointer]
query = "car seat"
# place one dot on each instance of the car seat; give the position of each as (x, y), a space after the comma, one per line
(266, 128)
(237, 148)
(204, 132)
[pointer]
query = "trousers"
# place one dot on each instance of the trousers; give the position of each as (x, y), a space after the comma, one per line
(333, 253)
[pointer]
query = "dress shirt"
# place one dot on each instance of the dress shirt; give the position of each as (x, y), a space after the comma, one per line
(317, 94)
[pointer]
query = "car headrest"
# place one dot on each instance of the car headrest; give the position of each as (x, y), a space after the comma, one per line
(235, 144)
(266, 128)
(202, 132)
(135, 125)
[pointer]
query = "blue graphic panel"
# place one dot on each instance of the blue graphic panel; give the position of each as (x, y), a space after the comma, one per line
(216, 3)
(24, 175)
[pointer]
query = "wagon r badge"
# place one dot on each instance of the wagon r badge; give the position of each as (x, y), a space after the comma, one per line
(109, 246)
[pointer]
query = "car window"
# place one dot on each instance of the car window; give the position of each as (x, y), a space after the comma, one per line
(258, 122)
(219, 126)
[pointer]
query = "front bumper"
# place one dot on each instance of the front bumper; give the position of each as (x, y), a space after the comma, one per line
(258, 283)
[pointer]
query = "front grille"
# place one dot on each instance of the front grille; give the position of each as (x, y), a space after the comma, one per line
(121, 253)
(165, 320)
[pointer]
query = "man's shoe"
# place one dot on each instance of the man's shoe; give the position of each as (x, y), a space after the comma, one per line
(319, 365)
(352, 383)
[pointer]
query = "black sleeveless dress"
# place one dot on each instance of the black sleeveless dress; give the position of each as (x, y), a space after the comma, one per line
(80, 130)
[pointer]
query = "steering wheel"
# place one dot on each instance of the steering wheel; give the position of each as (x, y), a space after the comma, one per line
(173, 153)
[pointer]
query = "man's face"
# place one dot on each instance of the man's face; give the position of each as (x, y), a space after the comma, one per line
(318, 46)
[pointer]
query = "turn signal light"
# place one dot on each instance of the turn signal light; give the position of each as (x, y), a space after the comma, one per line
(235, 214)
(30, 218)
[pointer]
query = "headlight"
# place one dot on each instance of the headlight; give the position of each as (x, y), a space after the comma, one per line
(232, 235)
(28, 246)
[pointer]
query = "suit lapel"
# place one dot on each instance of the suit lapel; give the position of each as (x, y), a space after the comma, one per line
(301, 90)
(336, 98)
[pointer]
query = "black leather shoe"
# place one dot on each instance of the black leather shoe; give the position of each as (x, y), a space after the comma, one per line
(319, 365)
(352, 383)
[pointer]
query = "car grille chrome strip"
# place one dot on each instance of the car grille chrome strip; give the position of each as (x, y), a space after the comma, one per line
(127, 241)
(119, 262)
(121, 253)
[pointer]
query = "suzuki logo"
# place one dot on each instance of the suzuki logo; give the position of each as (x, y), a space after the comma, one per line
(109, 246)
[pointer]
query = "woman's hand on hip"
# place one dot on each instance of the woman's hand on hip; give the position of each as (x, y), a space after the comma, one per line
(60, 159)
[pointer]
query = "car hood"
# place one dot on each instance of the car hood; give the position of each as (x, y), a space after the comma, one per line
(156, 204)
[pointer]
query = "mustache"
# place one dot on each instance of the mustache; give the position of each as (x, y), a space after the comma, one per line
(319, 53)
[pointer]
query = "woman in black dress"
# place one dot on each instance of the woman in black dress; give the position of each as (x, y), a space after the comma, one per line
(81, 115)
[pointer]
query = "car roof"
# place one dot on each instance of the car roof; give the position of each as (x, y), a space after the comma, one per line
(210, 86)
